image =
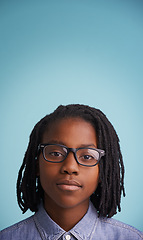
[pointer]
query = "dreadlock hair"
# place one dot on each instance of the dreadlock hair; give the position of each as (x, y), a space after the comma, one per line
(107, 197)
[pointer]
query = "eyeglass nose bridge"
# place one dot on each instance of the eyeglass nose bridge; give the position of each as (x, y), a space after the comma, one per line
(73, 150)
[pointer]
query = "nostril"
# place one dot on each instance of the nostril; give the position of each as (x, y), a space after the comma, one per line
(70, 172)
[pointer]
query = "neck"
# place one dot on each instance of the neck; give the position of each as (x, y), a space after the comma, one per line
(66, 218)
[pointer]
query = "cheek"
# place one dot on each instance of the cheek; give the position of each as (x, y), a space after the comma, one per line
(92, 179)
(46, 173)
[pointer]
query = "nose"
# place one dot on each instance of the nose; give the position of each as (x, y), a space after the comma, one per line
(70, 165)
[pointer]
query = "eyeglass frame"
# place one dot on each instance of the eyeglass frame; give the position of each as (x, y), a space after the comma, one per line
(41, 147)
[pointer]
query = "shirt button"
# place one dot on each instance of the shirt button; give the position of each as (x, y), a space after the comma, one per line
(68, 237)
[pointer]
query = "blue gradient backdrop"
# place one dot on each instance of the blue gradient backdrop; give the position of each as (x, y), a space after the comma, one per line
(71, 51)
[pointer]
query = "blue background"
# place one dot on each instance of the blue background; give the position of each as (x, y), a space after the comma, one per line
(71, 51)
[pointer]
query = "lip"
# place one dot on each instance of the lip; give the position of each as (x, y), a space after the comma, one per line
(69, 185)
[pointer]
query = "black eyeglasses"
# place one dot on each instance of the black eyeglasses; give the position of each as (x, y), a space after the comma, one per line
(86, 156)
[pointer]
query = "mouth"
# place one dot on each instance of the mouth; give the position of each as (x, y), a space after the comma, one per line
(69, 185)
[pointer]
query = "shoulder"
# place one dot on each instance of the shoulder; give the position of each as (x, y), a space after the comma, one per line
(122, 230)
(111, 229)
(25, 229)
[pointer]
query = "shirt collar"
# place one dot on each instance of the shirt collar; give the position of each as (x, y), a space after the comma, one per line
(44, 222)
(82, 230)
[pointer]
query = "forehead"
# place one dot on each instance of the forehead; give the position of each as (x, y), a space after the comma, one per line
(70, 131)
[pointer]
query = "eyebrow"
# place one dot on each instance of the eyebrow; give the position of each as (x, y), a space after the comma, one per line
(62, 143)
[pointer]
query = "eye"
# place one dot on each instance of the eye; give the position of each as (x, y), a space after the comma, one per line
(55, 154)
(87, 157)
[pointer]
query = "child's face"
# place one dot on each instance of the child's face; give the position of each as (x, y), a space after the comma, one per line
(73, 133)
